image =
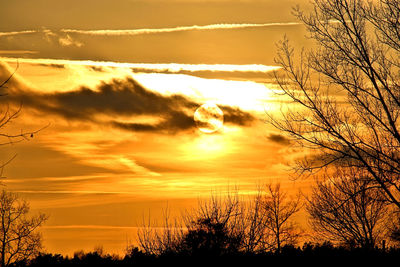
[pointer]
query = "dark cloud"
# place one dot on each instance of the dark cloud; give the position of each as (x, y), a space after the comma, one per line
(123, 98)
(236, 116)
(96, 68)
(175, 121)
(280, 139)
(56, 66)
(119, 97)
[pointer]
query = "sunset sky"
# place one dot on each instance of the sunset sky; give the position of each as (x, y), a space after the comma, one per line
(116, 85)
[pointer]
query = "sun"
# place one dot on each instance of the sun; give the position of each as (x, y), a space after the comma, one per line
(209, 118)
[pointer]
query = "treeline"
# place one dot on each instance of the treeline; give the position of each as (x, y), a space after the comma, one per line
(343, 209)
(310, 254)
(349, 221)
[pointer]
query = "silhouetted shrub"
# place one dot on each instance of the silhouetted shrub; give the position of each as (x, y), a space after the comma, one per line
(209, 238)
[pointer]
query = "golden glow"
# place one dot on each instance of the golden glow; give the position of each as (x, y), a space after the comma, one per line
(206, 147)
(246, 95)
(96, 180)
(210, 145)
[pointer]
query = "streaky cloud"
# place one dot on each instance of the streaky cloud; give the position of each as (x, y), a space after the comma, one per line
(156, 67)
(73, 192)
(223, 26)
(84, 226)
(17, 52)
(17, 33)
(236, 116)
(68, 41)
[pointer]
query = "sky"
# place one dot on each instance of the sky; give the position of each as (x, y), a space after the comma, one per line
(113, 87)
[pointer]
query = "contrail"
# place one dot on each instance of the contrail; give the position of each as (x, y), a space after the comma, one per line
(178, 29)
(16, 33)
(222, 26)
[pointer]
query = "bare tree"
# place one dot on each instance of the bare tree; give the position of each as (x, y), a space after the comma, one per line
(19, 239)
(214, 227)
(253, 225)
(344, 208)
(392, 225)
(226, 224)
(7, 116)
(279, 210)
(156, 238)
(346, 89)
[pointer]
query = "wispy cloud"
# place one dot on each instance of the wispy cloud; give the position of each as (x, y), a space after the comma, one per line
(68, 41)
(222, 26)
(17, 52)
(71, 192)
(16, 33)
(179, 28)
(157, 67)
(62, 38)
(102, 227)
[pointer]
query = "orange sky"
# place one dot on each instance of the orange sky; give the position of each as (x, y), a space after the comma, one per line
(117, 83)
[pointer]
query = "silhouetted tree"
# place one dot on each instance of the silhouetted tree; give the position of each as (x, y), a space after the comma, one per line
(344, 208)
(346, 89)
(214, 226)
(210, 238)
(47, 260)
(279, 210)
(7, 116)
(253, 225)
(226, 225)
(392, 226)
(19, 239)
(156, 239)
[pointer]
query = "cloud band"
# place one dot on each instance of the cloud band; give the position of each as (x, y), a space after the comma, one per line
(222, 26)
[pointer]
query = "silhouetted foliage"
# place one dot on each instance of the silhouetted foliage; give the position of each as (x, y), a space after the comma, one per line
(214, 227)
(19, 239)
(392, 227)
(155, 240)
(279, 210)
(210, 238)
(310, 254)
(227, 226)
(345, 208)
(7, 116)
(345, 89)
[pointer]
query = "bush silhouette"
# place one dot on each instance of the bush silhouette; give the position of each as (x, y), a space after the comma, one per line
(209, 238)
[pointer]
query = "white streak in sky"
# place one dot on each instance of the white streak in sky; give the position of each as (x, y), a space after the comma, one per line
(73, 192)
(178, 29)
(16, 33)
(103, 227)
(162, 67)
(18, 52)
